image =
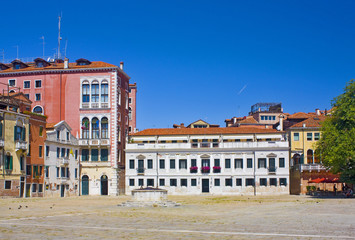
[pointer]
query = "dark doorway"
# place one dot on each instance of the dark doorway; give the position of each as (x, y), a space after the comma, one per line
(104, 185)
(85, 185)
(62, 190)
(22, 186)
(205, 185)
(28, 190)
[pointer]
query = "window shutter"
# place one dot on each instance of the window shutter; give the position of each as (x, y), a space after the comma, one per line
(1, 129)
(15, 130)
(23, 134)
(10, 167)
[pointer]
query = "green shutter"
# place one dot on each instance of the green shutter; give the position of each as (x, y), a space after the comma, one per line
(10, 167)
(1, 129)
(15, 128)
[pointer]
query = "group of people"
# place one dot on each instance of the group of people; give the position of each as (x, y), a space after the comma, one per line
(347, 191)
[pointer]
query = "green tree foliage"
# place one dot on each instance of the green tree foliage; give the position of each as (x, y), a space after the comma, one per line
(337, 143)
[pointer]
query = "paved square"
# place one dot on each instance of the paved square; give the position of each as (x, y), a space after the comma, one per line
(199, 217)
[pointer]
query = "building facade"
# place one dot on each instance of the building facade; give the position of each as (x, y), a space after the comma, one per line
(209, 160)
(93, 98)
(61, 161)
(132, 109)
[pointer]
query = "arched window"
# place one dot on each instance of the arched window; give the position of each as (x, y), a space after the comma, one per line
(86, 92)
(12, 91)
(95, 91)
(85, 128)
(130, 113)
(119, 133)
(104, 91)
(316, 157)
(95, 128)
(119, 96)
(126, 101)
(38, 109)
(310, 156)
(104, 127)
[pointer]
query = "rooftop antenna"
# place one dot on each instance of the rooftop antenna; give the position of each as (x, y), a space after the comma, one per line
(43, 45)
(59, 37)
(17, 51)
(65, 49)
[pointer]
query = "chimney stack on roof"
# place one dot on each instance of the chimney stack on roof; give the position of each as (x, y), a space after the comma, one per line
(66, 63)
(121, 65)
(317, 111)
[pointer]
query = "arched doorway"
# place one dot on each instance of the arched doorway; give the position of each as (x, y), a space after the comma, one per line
(85, 185)
(104, 185)
(296, 159)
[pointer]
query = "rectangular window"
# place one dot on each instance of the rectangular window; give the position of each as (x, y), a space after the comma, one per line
(238, 182)
(86, 93)
(76, 154)
(173, 182)
(76, 173)
(68, 136)
(249, 163)
(47, 151)
(131, 164)
(283, 181)
(261, 162)
(273, 181)
(262, 117)
(172, 163)
(47, 171)
(238, 163)
(28, 170)
(58, 152)
(217, 163)
(12, 82)
(62, 172)
(38, 97)
(40, 188)
(182, 164)
(68, 152)
(40, 150)
(150, 164)
(161, 182)
(183, 182)
(104, 155)
(94, 154)
(309, 136)
(8, 162)
(263, 181)
(249, 182)
(193, 163)
(85, 155)
(140, 182)
(227, 163)
(104, 92)
(34, 187)
(316, 136)
(40, 131)
(296, 136)
(150, 182)
(193, 182)
(38, 83)
(62, 152)
(217, 182)
(26, 84)
(281, 162)
(228, 182)
(57, 172)
(95, 92)
(131, 182)
(161, 163)
(7, 184)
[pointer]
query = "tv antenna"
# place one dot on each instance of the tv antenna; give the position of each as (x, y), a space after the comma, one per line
(65, 49)
(16, 51)
(59, 37)
(43, 45)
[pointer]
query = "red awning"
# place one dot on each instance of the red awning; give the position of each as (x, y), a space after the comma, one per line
(317, 180)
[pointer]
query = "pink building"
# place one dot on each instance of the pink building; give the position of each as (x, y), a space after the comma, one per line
(92, 97)
(132, 108)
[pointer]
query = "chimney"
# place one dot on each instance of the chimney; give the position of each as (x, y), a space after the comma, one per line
(182, 125)
(304, 125)
(281, 118)
(317, 111)
(66, 63)
(121, 65)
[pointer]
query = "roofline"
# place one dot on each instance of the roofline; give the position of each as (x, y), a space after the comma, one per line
(48, 71)
(206, 134)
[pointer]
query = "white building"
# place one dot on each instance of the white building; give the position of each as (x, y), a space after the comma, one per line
(209, 160)
(61, 161)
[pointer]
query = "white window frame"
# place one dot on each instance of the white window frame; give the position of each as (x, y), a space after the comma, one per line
(37, 81)
(25, 84)
(11, 80)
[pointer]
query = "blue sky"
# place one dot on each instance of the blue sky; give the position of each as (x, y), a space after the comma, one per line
(193, 60)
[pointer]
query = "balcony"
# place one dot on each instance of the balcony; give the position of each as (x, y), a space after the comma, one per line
(87, 105)
(193, 169)
(94, 142)
(2, 142)
(272, 170)
(21, 145)
(64, 161)
(311, 167)
(205, 169)
(140, 171)
(216, 169)
(104, 105)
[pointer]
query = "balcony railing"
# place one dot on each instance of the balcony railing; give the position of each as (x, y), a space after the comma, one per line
(311, 167)
(21, 145)
(87, 105)
(94, 142)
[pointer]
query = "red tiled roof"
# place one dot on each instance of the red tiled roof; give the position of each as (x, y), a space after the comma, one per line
(248, 119)
(50, 125)
(299, 115)
(201, 131)
(60, 66)
(314, 121)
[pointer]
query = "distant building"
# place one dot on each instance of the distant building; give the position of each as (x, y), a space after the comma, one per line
(62, 162)
(92, 98)
(197, 124)
(209, 160)
(132, 109)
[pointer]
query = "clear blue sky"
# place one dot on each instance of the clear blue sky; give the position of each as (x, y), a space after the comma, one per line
(191, 59)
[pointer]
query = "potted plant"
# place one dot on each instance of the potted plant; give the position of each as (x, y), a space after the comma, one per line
(216, 169)
(193, 169)
(205, 169)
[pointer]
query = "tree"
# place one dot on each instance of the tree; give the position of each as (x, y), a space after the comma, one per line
(337, 143)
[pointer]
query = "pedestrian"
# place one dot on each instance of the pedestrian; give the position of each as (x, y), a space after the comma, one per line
(335, 189)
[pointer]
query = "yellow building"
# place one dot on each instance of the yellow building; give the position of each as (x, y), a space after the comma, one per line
(14, 127)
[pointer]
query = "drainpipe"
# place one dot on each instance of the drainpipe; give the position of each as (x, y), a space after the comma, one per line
(3, 149)
(254, 169)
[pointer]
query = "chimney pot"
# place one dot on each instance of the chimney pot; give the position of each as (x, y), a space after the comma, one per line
(66, 63)
(121, 65)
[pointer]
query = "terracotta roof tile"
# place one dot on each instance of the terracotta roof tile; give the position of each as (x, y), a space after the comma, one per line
(60, 66)
(314, 121)
(299, 115)
(50, 125)
(203, 131)
(248, 120)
